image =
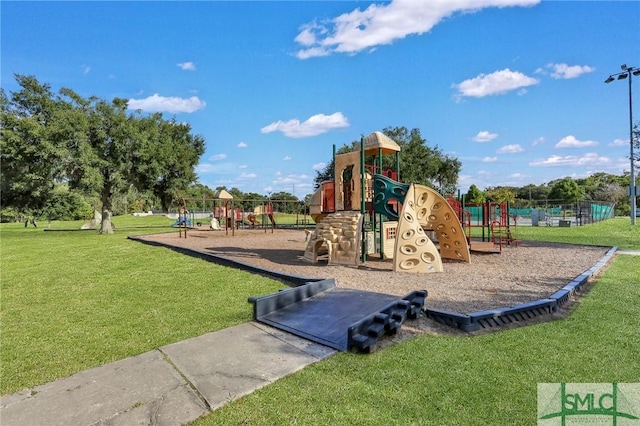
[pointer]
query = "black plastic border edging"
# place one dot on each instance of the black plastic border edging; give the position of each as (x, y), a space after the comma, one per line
(501, 316)
(466, 322)
(291, 280)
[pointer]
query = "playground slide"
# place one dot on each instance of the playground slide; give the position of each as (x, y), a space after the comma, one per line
(250, 220)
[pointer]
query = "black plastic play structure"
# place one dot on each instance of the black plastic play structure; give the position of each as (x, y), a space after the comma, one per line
(343, 319)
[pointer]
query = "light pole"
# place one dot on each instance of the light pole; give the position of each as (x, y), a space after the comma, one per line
(629, 72)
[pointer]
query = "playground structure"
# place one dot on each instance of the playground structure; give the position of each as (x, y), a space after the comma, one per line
(223, 213)
(497, 222)
(365, 211)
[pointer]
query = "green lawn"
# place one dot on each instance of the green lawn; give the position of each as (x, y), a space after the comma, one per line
(470, 380)
(73, 300)
(489, 379)
(613, 232)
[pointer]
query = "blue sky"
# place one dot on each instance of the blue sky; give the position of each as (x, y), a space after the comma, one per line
(513, 88)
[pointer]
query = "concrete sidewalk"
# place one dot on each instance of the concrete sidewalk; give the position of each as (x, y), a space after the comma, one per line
(629, 252)
(172, 385)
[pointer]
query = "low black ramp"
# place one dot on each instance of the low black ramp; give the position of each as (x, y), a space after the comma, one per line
(326, 316)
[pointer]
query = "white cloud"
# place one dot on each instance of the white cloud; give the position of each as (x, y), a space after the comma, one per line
(242, 166)
(86, 69)
(242, 145)
(319, 166)
(538, 141)
(157, 103)
(589, 159)
(510, 149)
(315, 125)
(489, 159)
(289, 179)
(205, 168)
(619, 142)
(571, 142)
(217, 157)
(248, 176)
(218, 168)
(564, 71)
(496, 83)
(517, 176)
(187, 66)
(484, 136)
(286, 158)
(382, 24)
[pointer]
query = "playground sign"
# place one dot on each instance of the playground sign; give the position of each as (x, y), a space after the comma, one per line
(588, 403)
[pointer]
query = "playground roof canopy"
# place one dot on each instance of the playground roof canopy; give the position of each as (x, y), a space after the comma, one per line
(378, 140)
(223, 195)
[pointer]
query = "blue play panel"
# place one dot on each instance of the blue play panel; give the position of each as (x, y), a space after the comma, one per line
(342, 319)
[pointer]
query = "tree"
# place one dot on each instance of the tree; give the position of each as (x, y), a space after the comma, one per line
(94, 145)
(598, 184)
(419, 163)
(532, 192)
(167, 157)
(566, 189)
(290, 206)
(500, 194)
(474, 195)
(422, 164)
(446, 176)
(67, 205)
(31, 159)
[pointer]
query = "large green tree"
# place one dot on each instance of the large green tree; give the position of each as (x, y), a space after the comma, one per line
(419, 163)
(95, 145)
(31, 159)
(166, 157)
(423, 164)
(500, 194)
(474, 195)
(566, 189)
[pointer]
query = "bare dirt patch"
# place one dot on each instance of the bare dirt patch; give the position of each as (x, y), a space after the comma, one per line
(529, 272)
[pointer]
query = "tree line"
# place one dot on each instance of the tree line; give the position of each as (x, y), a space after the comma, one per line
(600, 186)
(64, 156)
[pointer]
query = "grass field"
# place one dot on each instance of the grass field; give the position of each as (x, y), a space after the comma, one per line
(73, 300)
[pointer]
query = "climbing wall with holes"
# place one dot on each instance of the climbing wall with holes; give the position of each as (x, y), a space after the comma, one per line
(433, 212)
(424, 208)
(414, 251)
